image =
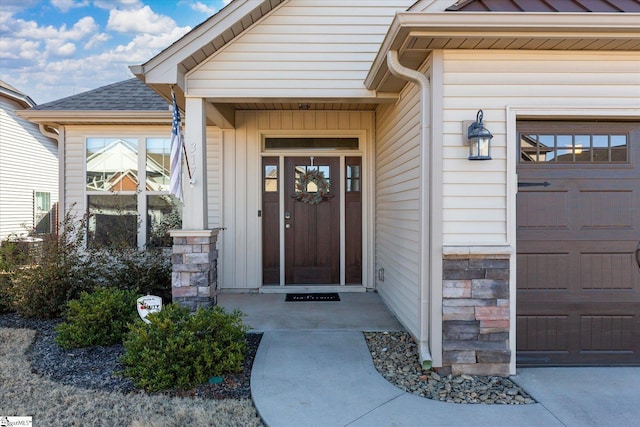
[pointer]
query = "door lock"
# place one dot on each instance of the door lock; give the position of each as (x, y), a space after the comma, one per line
(287, 215)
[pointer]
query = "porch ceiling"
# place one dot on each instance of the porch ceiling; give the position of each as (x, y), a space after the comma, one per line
(305, 106)
(416, 35)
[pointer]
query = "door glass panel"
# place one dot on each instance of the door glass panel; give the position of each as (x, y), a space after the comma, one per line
(564, 144)
(271, 178)
(618, 148)
(312, 186)
(353, 178)
(574, 148)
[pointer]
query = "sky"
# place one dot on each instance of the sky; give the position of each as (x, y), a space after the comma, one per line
(51, 49)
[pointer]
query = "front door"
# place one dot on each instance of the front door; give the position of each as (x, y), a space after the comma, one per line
(312, 220)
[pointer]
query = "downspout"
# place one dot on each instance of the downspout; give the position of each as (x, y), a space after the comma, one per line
(422, 81)
(58, 135)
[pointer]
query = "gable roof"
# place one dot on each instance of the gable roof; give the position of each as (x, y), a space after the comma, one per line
(126, 95)
(596, 6)
(169, 66)
(11, 92)
(414, 35)
(129, 101)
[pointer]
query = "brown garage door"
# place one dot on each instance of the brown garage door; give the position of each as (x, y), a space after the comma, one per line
(578, 217)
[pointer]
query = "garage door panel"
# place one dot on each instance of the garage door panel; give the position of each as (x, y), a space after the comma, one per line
(543, 271)
(543, 209)
(605, 209)
(578, 281)
(609, 271)
(604, 335)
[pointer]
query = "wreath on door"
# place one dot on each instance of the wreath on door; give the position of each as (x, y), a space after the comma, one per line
(302, 185)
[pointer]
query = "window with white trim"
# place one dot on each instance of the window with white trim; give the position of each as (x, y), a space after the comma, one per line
(127, 187)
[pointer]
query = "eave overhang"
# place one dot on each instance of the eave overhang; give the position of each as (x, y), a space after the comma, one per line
(55, 118)
(169, 66)
(415, 34)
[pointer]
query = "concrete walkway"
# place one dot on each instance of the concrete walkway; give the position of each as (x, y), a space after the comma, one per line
(313, 368)
(327, 378)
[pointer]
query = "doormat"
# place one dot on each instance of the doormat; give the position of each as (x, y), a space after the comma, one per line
(313, 297)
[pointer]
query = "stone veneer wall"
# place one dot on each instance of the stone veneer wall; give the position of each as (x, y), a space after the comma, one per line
(475, 309)
(194, 276)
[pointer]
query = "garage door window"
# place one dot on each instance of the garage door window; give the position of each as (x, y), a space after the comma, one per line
(573, 147)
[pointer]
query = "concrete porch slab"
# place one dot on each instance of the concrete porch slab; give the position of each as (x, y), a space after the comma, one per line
(354, 312)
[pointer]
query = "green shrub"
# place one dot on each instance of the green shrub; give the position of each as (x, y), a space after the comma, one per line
(178, 349)
(98, 318)
(58, 274)
(6, 305)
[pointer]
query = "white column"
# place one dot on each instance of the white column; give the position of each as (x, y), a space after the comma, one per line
(194, 216)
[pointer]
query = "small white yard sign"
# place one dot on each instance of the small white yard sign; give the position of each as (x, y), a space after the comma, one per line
(148, 304)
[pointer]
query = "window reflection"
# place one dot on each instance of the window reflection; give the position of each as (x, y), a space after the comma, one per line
(311, 186)
(353, 178)
(112, 164)
(573, 148)
(271, 178)
(158, 164)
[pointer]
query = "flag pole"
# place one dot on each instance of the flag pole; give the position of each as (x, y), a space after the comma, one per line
(184, 148)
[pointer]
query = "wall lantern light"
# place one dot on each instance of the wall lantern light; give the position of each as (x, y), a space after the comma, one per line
(479, 140)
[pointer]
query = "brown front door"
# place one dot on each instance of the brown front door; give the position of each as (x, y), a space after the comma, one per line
(578, 228)
(312, 230)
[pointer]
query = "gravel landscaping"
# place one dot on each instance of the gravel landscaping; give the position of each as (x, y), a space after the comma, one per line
(81, 386)
(395, 356)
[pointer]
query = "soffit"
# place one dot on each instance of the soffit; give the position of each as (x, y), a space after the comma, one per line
(415, 35)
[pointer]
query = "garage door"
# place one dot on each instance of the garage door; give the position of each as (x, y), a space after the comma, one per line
(578, 218)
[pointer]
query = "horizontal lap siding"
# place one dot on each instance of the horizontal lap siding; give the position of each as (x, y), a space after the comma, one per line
(303, 49)
(475, 193)
(398, 206)
(28, 163)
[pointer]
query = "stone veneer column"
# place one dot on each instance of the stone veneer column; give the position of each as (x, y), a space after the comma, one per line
(194, 276)
(475, 310)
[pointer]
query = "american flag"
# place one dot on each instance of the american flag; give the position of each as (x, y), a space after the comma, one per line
(175, 173)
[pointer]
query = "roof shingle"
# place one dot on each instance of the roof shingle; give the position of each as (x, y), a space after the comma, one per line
(127, 95)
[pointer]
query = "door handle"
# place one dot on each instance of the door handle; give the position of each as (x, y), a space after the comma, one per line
(638, 255)
(287, 215)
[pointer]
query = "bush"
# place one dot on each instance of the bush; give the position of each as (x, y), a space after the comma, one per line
(98, 318)
(146, 272)
(40, 284)
(59, 274)
(179, 350)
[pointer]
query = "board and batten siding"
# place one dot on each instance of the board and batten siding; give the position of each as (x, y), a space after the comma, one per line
(398, 215)
(475, 202)
(242, 234)
(28, 163)
(305, 48)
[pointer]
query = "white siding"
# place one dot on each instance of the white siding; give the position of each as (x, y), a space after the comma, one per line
(28, 163)
(398, 215)
(476, 193)
(242, 238)
(214, 176)
(306, 48)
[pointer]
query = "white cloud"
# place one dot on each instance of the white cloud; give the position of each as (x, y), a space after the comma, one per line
(142, 20)
(31, 30)
(61, 50)
(18, 49)
(203, 8)
(113, 4)
(66, 5)
(96, 40)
